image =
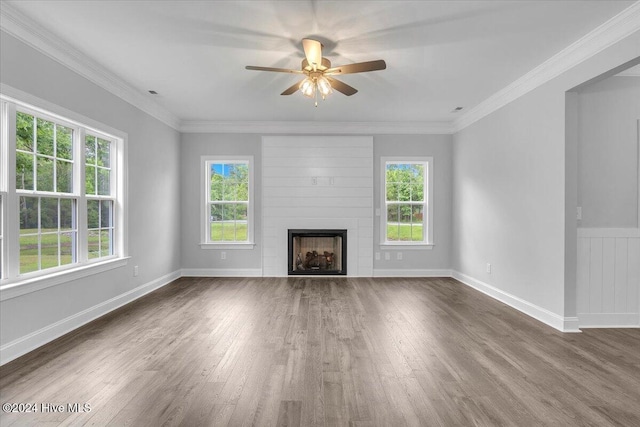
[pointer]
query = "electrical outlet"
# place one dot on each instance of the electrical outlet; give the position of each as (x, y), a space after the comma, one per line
(399, 256)
(387, 256)
(579, 213)
(377, 256)
(223, 255)
(488, 268)
(135, 271)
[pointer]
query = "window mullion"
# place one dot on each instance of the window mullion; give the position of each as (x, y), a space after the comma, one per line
(113, 194)
(54, 158)
(39, 234)
(59, 233)
(12, 219)
(34, 156)
(79, 191)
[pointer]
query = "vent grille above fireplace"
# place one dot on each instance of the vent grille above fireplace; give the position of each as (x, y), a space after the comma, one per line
(314, 252)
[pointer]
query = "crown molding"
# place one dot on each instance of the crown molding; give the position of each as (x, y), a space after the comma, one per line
(18, 25)
(615, 29)
(307, 127)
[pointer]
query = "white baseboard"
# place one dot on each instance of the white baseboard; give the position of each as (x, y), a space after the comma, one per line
(25, 344)
(411, 273)
(221, 272)
(563, 324)
(609, 320)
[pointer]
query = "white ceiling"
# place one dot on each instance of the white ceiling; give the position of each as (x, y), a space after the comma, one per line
(439, 54)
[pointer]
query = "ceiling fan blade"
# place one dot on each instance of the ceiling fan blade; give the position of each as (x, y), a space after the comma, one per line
(292, 89)
(277, 70)
(342, 87)
(359, 67)
(312, 51)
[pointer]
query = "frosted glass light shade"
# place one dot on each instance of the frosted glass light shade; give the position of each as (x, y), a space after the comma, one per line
(308, 87)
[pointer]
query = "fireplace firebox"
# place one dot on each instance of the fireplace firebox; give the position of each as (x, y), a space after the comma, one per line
(317, 252)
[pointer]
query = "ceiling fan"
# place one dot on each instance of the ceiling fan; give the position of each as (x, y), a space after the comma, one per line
(318, 72)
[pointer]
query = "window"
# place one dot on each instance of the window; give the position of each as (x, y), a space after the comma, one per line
(228, 206)
(44, 186)
(407, 208)
(60, 204)
(100, 198)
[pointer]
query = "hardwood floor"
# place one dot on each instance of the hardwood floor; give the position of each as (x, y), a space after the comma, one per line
(323, 351)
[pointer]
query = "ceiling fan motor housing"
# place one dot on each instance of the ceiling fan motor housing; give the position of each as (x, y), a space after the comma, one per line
(326, 64)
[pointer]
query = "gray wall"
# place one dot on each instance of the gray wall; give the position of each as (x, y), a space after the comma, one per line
(153, 187)
(195, 145)
(609, 111)
(510, 196)
(440, 148)
(509, 199)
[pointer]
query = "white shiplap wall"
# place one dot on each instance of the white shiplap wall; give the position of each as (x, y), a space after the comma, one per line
(608, 279)
(317, 182)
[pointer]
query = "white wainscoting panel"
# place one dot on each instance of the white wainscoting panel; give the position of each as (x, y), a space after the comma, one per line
(312, 182)
(608, 277)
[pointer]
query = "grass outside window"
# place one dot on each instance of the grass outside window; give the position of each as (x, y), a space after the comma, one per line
(229, 231)
(49, 241)
(404, 232)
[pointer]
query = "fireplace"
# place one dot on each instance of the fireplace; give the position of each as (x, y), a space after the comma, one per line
(317, 252)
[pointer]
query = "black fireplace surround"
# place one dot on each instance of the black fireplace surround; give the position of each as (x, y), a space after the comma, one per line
(317, 252)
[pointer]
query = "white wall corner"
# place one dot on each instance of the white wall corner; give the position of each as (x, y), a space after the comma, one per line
(36, 339)
(571, 324)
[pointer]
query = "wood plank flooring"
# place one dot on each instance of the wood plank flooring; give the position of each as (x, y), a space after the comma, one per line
(327, 352)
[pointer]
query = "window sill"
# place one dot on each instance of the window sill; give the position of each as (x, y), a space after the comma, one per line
(21, 286)
(227, 246)
(407, 246)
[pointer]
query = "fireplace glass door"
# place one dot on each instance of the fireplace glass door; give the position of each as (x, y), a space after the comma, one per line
(317, 252)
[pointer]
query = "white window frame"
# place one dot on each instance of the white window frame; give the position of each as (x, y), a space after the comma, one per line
(3, 188)
(427, 224)
(3, 213)
(12, 283)
(99, 198)
(205, 194)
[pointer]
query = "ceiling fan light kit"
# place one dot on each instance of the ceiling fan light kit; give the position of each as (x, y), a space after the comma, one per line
(318, 73)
